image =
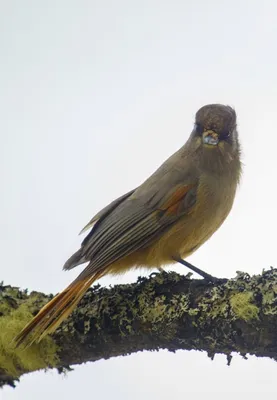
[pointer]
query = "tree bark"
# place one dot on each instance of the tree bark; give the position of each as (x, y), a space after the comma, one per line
(164, 311)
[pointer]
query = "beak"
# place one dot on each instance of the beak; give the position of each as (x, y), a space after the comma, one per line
(210, 138)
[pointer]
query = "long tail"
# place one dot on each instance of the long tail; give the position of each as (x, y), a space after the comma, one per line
(55, 312)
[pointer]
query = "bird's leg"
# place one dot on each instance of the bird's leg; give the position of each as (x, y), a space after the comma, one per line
(204, 275)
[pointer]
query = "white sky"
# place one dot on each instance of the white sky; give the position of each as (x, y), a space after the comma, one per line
(94, 96)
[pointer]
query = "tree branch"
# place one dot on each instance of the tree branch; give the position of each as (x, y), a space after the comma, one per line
(165, 311)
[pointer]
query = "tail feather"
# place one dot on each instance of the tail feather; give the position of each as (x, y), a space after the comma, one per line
(55, 312)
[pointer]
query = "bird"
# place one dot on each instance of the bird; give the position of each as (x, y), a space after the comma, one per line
(162, 221)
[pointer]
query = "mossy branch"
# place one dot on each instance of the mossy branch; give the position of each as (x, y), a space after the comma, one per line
(165, 311)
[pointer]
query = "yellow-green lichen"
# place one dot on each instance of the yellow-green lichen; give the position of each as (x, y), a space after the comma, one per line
(214, 305)
(13, 360)
(193, 311)
(269, 301)
(242, 307)
(155, 313)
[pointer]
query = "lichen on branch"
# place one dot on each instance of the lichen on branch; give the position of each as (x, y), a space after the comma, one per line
(164, 311)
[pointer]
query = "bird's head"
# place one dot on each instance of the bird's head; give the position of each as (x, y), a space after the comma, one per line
(216, 128)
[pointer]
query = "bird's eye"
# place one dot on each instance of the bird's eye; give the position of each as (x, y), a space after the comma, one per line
(198, 129)
(225, 135)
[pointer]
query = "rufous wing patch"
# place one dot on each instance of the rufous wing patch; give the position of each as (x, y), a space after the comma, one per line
(182, 198)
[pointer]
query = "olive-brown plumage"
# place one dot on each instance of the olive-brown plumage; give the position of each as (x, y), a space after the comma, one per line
(164, 220)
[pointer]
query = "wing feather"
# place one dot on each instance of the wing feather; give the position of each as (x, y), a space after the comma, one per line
(106, 211)
(133, 225)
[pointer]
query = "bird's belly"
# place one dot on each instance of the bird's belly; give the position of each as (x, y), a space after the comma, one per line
(181, 240)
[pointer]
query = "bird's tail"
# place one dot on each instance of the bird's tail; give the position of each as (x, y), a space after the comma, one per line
(55, 312)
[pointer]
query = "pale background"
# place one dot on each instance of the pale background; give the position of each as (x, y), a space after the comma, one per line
(95, 95)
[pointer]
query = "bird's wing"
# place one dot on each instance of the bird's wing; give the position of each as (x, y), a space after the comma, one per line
(135, 223)
(80, 257)
(106, 211)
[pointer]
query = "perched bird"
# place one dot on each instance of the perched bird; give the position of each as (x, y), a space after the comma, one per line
(164, 220)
